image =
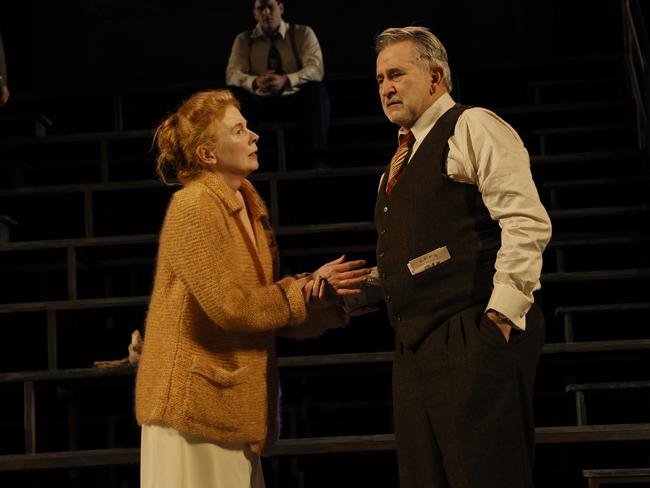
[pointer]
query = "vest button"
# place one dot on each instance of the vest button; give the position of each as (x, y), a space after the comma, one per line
(388, 298)
(398, 317)
(385, 209)
(382, 231)
(381, 254)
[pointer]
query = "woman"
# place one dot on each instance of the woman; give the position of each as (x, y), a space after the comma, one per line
(207, 389)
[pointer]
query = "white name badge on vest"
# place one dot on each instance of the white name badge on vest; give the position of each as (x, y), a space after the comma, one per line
(428, 260)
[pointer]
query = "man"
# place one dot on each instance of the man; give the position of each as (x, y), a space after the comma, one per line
(457, 203)
(276, 71)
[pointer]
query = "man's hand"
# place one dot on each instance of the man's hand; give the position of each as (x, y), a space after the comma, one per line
(271, 82)
(503, 326)
(343, 278)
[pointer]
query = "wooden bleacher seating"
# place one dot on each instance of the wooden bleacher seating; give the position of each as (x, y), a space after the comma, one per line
(584, 236)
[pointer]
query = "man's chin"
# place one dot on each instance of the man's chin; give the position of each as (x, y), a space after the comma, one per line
(394, 116)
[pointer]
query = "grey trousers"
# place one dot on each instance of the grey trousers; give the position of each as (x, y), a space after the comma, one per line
(463, 404)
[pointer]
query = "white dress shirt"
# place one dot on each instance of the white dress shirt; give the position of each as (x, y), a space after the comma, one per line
(487, 152)
(249, 58)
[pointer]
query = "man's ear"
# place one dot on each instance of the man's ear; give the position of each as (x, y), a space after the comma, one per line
(206, 155)
(436, 75)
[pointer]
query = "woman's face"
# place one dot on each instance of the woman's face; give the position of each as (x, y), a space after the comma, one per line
(236, 148)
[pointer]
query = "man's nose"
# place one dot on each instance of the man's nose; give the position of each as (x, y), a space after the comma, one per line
(386, 89)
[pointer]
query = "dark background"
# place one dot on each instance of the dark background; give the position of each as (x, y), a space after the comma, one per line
(75, 44)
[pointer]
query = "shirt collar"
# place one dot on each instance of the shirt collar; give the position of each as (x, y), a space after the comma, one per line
(430, 116)
(223, 192)
(282, 30)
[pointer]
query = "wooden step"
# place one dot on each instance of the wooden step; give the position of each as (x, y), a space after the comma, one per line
(596, 346)
(317, 360)
(79, 242)
(589, 129)
(608, 307)
(581, 157)
(619, 385)
(623, 475)
(559, 240)
(622, 182)
(84, 304)
(85, 187)
(543, 108)
(318, 445)
(580, 213)
(573, 81)
(605, 275)
(596, 239)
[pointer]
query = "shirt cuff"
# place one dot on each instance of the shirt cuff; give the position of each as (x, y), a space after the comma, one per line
(511, 303)
(294, 79)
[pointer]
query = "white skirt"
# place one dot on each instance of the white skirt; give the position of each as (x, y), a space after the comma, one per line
(171, 459)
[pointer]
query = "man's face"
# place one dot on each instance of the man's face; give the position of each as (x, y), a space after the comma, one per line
(405, 86)
(269, 14)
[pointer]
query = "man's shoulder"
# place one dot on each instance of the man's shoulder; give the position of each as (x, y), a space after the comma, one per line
(479, 115)
(302, 29)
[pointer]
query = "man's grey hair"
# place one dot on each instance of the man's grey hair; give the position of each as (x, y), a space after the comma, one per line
(428, 48)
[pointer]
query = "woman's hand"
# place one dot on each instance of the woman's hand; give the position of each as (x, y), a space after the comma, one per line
(343, 278)
(314, 293)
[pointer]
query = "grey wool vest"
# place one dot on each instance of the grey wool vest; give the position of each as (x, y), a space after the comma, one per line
(428, 211)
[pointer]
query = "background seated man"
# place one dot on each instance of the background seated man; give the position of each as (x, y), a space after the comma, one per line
(276, 71)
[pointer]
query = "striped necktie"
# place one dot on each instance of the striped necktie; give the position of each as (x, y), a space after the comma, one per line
(399, 159)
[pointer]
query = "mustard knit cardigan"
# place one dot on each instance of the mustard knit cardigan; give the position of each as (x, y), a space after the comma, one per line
(208, 365)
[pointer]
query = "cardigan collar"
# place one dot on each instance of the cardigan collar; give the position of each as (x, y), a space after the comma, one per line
(223, 192)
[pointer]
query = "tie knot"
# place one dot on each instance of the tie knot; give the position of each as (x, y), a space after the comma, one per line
(406, 138)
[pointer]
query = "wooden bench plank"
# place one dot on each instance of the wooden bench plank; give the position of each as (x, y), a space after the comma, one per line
(616, 473)
(572, 81)
(574, 213)
(578, 157)
(592, 433)
(620, 385)
(605, 307)
(318, 360)
(589, 129)
(596, 346)
(70, 459)
(623, 182)
(614, 274)
(83, 304)
(583, 239)
(318, 445)
(593, 239)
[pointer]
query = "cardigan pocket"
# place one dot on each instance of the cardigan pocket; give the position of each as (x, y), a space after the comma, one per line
(226, 401)
(221, 376)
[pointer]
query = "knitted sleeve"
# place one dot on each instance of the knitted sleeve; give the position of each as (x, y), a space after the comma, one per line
(317, 323)
(197, 239)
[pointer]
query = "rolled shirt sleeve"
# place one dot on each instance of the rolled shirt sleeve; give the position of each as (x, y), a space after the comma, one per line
(238, 71)
(311, 57)
(488, 152)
